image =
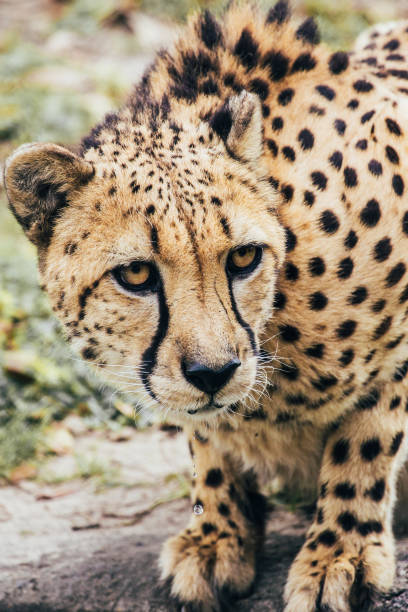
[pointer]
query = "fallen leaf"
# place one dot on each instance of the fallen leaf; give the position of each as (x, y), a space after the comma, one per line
(22, 472)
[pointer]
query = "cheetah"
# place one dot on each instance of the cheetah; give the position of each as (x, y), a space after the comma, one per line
(232, 246)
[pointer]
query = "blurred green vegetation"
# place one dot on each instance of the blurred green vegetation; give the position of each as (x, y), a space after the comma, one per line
(54, 84)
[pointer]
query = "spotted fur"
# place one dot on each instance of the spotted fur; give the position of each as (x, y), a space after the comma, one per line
(249, 132)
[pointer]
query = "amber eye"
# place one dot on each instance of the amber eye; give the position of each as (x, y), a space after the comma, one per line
(243, 260)
(137, 276)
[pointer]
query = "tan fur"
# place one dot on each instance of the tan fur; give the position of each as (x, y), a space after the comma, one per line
(250, 134)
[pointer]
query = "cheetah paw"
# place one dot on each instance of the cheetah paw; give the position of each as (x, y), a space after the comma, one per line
(206, 572)
(339, 581)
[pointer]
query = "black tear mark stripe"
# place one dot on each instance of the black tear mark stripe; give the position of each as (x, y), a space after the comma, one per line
(149, 357)
(240, 320)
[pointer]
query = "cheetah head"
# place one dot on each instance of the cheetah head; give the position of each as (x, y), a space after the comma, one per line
(159, 247)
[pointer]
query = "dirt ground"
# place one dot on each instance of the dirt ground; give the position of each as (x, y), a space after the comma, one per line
(92, 544)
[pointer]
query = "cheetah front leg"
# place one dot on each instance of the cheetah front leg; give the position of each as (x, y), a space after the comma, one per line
(213, 560)
(349, 550)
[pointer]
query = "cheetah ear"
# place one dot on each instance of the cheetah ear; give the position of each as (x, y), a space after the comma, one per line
(38, 180)
(239, 124)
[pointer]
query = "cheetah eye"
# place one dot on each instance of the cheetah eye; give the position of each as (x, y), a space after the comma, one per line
(137, 276)
(244, 260)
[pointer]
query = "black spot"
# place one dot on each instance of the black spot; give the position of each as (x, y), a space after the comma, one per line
(336, 159)
(353, 104)
(350, 177)
(277, 65)
(317, 301)
(279, 13)
(383, 327)
(375, 167)
(319, 180)
(340, 126)
(277, 124)
(346, 357)
(393, 127)
(346, 329)
(404, 295)
(88, 353)
(367, 116)
(210, 30)
(395, 274)
(291, 271)
(382, 250)
(316, 350)
(396, 443)
(324, 382)
(221, 122)
(362, 86)
(401, 372)
(368, 401)
(392, 44)
(70, 248)
(316, 110)
(225, 227)
(272, 146)
(345, 490)
(395, 402)
(216, 201)
(327, 538)
(357, 296)
(287, 192)
(405, 223)
(398, 184)
(392, 155)
(370, 449)
(308, 32)
(285, 96)
(290, 239)
(340, 451)
(112, 190)
(150, 210)
(291, 372)
(289, 153)
(371, 213)
(209, 87)
(246, 49)
(345, 268)
(320, 516)
(224, 509)
(378, 306)
(338, 62)
(376, 493)
(362, 144)
(303, 63)
(308, 198)
(260, 87)
(279, 300)
(306, 139)
(351, 240)
(328, 222)
(208, 528)
(347, 521)
(317, 266)
(214, 478)
(368, 527)
(323, 490)
(289, 333)
(326, 92)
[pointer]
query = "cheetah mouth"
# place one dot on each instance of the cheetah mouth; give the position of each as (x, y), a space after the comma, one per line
(209, 407)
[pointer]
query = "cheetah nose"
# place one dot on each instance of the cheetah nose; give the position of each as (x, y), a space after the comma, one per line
(207, 379)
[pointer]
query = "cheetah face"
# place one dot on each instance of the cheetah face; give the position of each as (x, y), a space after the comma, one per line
(162, 266)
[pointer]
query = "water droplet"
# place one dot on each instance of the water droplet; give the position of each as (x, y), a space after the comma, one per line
(198, 509)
